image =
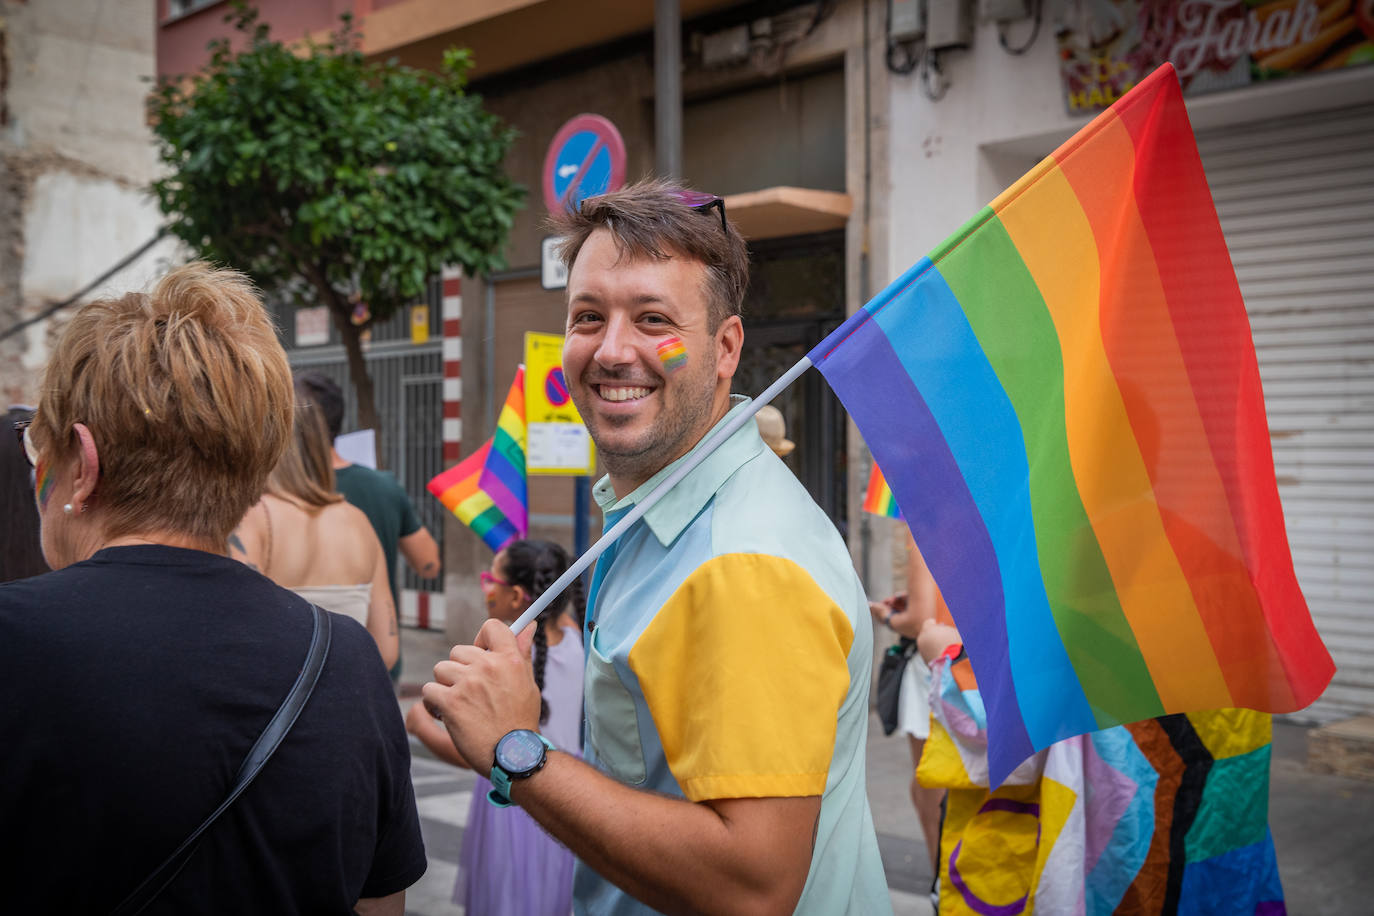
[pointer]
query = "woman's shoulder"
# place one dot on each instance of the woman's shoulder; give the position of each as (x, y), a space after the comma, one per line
(344, 512)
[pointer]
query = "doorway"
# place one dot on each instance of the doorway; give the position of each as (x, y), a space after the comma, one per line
(795, 298)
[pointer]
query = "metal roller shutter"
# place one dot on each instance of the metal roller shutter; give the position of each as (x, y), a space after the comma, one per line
(1296, 201)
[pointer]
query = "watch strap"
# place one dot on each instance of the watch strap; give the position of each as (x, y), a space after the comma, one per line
(499, 795)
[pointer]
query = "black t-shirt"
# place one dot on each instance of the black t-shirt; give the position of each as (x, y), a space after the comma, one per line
(133, 685)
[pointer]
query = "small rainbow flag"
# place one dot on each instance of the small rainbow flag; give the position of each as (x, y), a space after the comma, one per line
(672, 353)
(1064, 394)
(486, 490)
(879, 499)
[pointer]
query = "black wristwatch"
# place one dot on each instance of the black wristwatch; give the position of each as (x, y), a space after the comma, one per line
(519, 755)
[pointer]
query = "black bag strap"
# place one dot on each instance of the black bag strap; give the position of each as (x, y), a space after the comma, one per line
(262, 749)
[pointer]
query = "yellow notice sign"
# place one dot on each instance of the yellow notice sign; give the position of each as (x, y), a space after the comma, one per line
(419, 324)
(557, 442)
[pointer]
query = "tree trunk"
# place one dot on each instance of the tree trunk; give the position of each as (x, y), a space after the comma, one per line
(351, 335)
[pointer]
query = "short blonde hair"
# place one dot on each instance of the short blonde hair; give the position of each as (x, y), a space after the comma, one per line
(187, 394)
(305, 473)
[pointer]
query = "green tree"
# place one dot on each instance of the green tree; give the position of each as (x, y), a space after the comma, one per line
(332, 179)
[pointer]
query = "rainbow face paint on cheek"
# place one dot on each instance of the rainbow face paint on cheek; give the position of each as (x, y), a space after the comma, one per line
(673, 354)
(44, 484)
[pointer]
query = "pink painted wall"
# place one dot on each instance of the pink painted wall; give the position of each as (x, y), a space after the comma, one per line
(181, 42)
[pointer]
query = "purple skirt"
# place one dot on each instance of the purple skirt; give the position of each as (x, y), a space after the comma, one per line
(508, 865)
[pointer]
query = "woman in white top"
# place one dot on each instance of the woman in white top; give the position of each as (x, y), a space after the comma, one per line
(304, 536)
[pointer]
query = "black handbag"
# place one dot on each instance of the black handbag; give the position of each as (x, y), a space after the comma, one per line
(262, 749)
(890, 672)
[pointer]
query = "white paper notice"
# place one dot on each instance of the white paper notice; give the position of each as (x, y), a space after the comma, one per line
(559, 447)
(358, 448)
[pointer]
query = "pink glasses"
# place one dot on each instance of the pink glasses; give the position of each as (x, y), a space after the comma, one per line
(489, 581)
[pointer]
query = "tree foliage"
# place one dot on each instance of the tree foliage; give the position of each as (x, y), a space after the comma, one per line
(330, 178)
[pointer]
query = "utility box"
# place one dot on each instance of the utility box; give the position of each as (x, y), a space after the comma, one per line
(908, 20)
(1003, 10)
(949, 24)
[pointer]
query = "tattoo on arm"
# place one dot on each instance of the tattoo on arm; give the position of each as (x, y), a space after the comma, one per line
(429, 569)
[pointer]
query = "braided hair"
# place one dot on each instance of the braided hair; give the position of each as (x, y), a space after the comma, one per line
(534, 566)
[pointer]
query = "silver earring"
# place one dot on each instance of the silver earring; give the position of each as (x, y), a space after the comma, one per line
(67, 508)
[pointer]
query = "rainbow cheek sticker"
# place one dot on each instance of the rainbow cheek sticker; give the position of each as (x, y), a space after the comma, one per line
(672, 354)
(44, 484)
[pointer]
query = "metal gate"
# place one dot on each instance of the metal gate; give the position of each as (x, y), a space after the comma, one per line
(407, 381)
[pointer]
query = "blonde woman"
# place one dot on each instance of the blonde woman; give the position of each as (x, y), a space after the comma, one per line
(306, 537)
(143, 669)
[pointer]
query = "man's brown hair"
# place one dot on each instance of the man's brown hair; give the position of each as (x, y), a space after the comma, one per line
(187, 394)
(650, 219)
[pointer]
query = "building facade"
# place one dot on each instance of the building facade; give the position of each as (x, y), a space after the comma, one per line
(1288, 146)
(776, 99)
(850, 137)
(76, 157)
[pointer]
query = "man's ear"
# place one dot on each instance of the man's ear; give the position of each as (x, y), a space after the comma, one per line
(729, 340)
(87, 465)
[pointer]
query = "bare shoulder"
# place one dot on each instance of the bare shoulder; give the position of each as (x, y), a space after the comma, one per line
(348, 514)
(347, 522)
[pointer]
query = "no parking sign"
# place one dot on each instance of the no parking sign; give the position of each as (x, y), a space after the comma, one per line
(556, 441)
(586, 158)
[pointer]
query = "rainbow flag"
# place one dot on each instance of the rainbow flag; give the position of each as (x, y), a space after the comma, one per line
(879, 499)
(486, 490)
(1071, 415)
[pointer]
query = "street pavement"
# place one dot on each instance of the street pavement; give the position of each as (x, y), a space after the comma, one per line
(1323, 825)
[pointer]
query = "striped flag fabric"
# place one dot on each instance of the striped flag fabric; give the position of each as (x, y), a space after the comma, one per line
(1071, 415)
(878, 499)
(1167, 815)
(487, 489)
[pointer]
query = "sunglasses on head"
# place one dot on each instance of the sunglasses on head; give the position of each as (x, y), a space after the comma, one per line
(696, 200)
(701, 202)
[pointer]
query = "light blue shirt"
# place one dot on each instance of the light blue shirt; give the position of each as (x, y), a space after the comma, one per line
(729, 654)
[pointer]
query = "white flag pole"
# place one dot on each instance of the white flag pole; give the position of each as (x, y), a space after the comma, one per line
(648, 502)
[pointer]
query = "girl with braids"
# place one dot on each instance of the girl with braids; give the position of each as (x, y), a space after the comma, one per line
(508, 865)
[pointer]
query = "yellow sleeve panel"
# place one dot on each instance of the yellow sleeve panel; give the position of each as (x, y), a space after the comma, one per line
(744, 670)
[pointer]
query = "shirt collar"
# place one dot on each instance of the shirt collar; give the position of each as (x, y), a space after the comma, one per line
(682, 503)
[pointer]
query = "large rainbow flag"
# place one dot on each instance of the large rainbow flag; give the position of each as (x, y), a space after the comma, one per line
(1072, 423)
(486, 490)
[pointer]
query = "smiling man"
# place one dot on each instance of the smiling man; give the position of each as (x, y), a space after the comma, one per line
(729, 642)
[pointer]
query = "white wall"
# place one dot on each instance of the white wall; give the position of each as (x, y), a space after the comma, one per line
(78, 155)
(1002, 114)
(940, 176)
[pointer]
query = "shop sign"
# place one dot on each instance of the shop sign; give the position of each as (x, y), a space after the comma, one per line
(1107, 46)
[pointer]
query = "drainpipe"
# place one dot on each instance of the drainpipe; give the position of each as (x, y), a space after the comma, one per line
(489, 354)
(667, 89)
(865, 269)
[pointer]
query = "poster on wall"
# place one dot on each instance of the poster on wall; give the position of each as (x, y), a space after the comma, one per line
(1107, 46)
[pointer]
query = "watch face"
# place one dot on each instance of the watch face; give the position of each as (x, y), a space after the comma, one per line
(519, 752)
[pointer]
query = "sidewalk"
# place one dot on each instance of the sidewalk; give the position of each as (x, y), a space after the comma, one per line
(1323, 825)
